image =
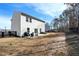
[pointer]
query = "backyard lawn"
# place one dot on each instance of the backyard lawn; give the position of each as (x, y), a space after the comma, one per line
(49, 44)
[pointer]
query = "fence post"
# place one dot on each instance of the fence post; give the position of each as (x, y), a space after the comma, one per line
(9, 33)
(2, 34)
(15, 33)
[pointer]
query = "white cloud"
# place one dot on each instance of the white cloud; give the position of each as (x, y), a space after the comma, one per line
(51, 9)
(5, 22)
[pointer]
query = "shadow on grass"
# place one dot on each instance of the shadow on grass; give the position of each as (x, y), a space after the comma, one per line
(72, 40)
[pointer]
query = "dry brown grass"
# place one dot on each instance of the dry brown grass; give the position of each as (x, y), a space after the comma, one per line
(43, 45)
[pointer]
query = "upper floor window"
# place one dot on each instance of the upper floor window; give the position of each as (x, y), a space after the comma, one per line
(30, 19)
(27, 19)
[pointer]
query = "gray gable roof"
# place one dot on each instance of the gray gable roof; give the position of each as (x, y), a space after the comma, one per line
(31, 17)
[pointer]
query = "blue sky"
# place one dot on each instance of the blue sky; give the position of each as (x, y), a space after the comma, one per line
(44, 11)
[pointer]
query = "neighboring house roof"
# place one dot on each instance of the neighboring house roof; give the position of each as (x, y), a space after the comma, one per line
(31, 17)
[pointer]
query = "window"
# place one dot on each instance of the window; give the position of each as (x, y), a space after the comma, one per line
(27, 19)
(30, 20)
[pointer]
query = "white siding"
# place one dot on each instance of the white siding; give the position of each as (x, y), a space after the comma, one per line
(20, 24)
(35, 24)
(15, 23)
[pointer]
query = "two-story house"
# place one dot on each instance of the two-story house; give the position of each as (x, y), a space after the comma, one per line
(22, 23)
